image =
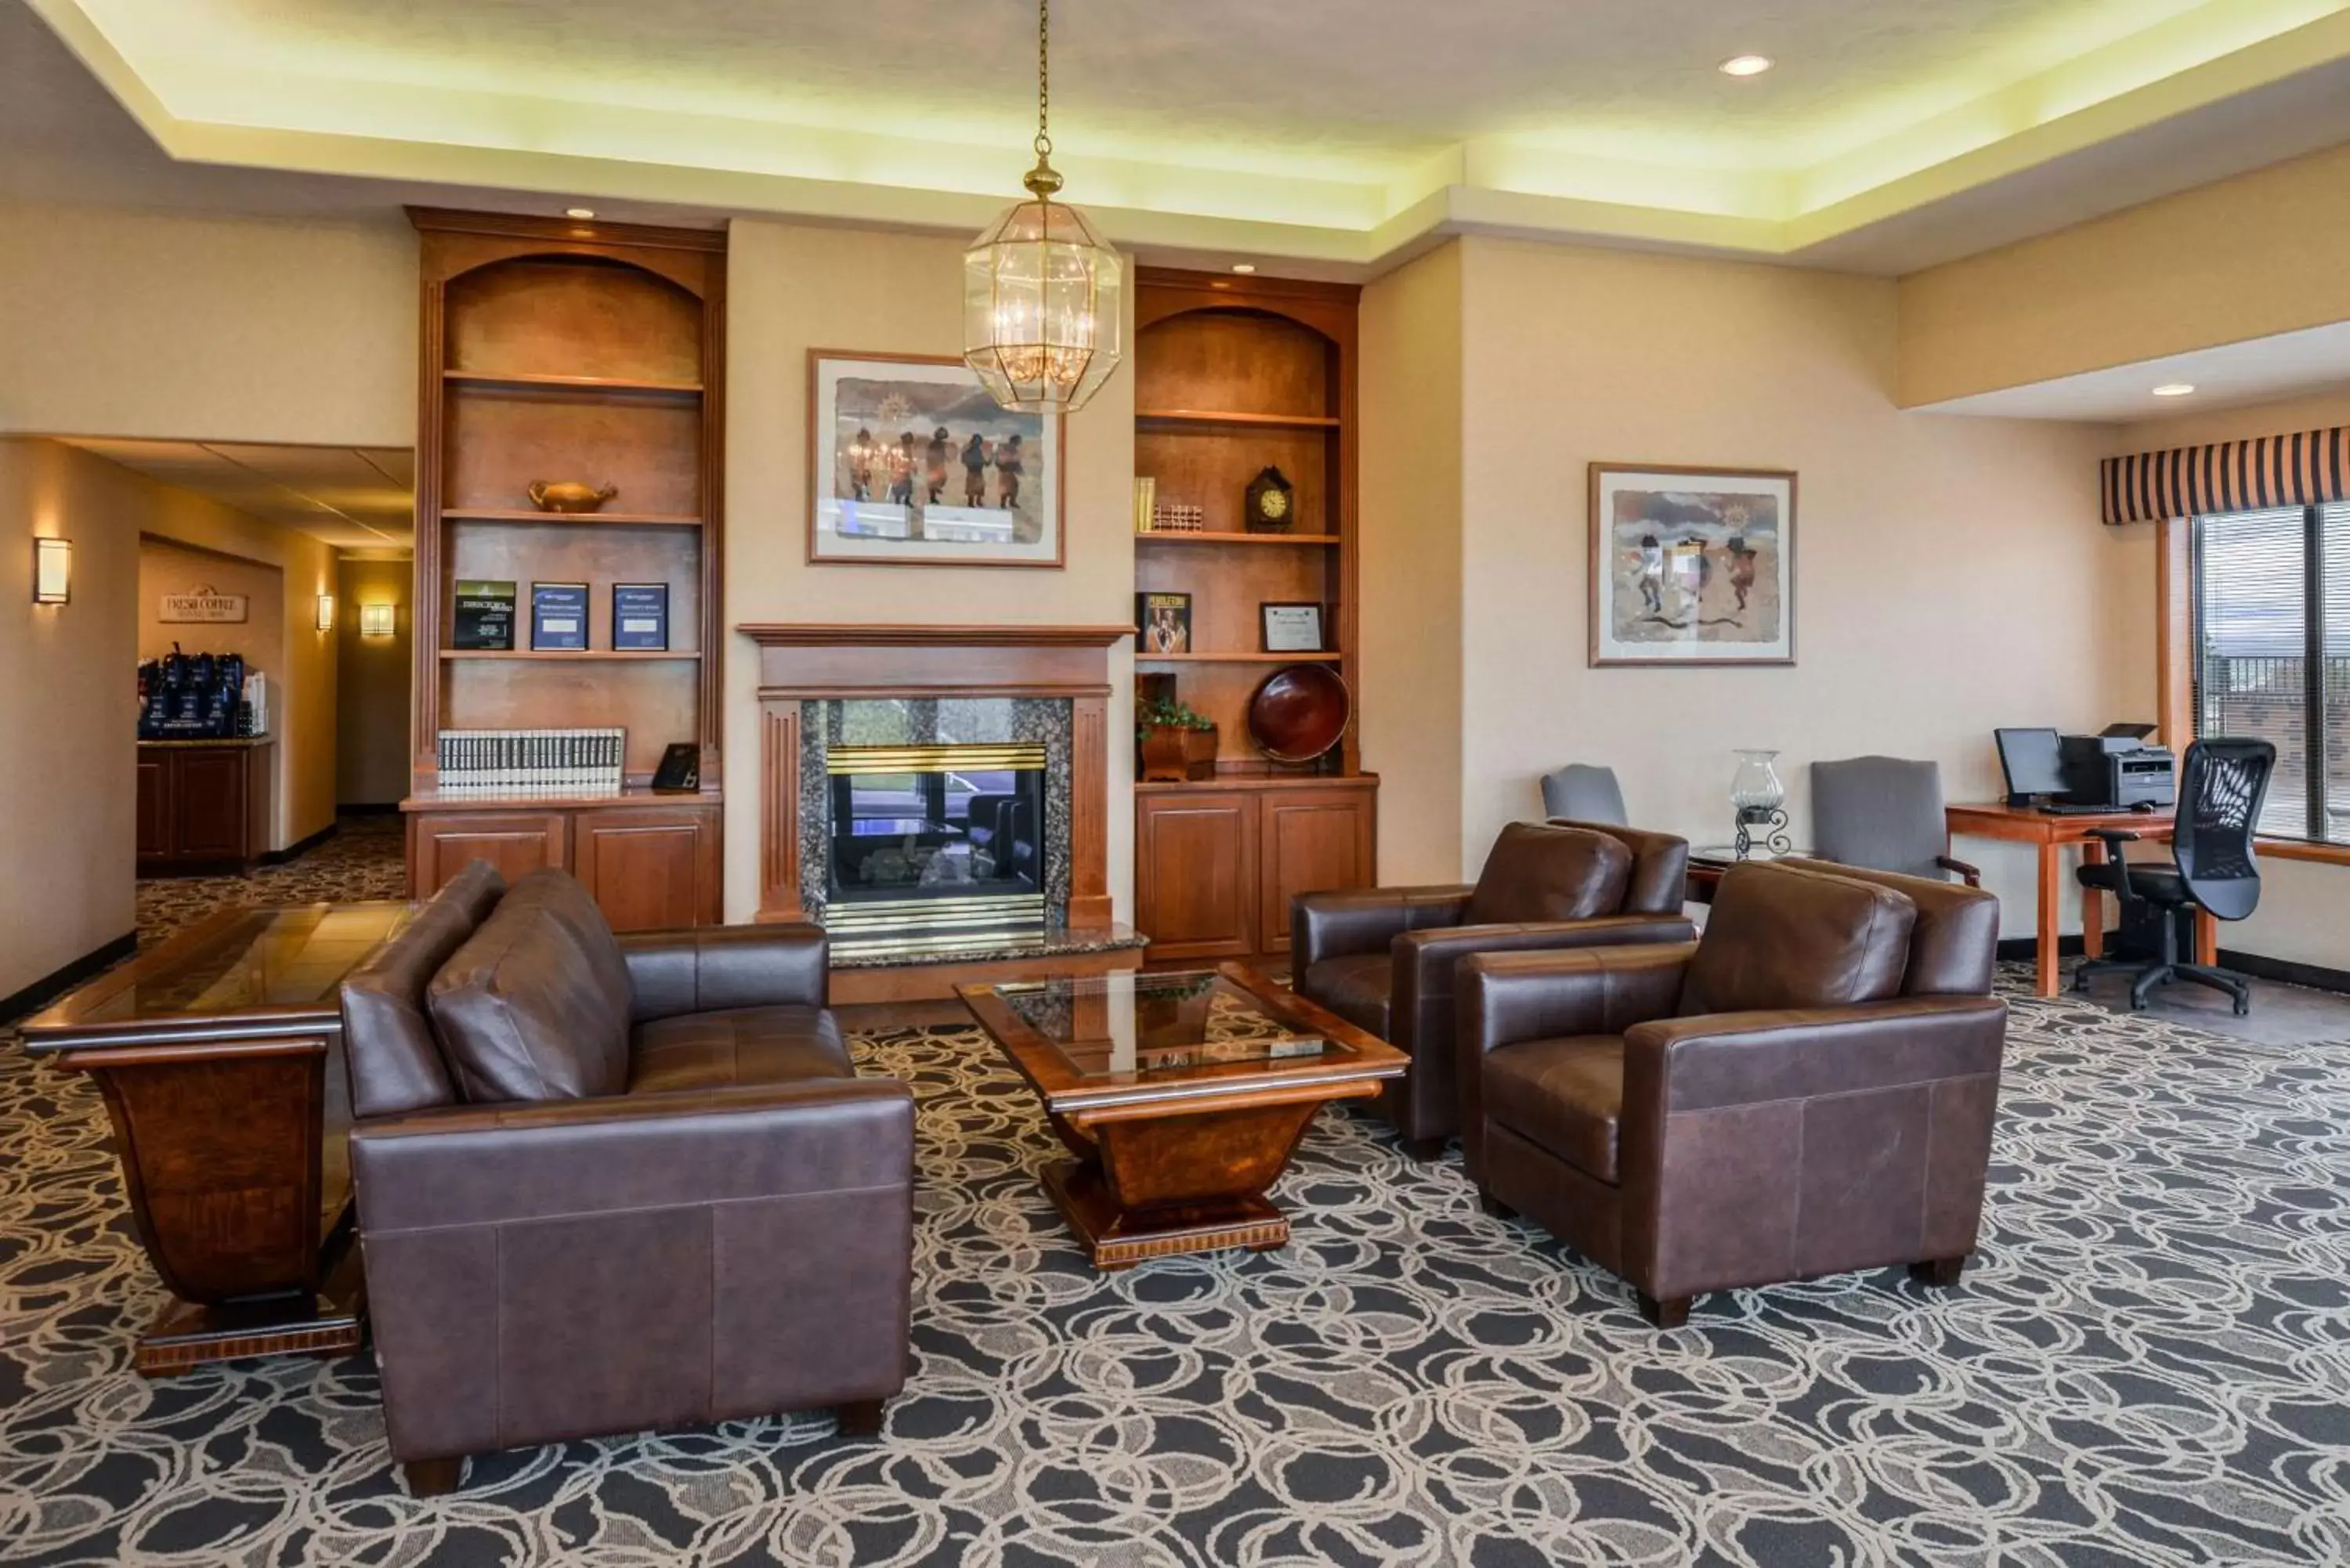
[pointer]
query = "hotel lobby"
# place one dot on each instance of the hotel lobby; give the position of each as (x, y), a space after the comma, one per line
(1026, 785)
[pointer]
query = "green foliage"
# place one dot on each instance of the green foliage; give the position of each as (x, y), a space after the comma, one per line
(1149, 716)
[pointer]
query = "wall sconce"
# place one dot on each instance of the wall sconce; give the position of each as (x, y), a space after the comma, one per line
(326, 612)
(52, 571)
(378, 620)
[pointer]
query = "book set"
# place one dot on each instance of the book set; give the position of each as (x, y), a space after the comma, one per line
(552, 762)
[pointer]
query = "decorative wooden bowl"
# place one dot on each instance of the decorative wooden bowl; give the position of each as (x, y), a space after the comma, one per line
(1299, 712)
(570, 495)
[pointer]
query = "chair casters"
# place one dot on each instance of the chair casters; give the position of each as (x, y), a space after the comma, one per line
(1673, 1314)
(1941, 1273)
(860, 1418)
(432, 1478)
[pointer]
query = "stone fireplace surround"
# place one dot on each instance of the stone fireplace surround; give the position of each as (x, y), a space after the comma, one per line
(804, 665)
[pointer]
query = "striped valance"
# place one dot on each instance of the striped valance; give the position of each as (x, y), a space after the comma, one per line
(2303, 469)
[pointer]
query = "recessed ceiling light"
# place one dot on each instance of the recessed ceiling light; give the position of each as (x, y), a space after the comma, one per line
(578, 211)
(1745, 66)
(1243, 266)
(2174, 389)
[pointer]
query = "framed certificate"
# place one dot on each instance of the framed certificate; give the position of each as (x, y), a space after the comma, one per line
(640, 617)
(1291, 627)
(558, 617)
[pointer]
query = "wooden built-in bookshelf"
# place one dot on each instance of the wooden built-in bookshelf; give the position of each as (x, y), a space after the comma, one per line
(557, 351)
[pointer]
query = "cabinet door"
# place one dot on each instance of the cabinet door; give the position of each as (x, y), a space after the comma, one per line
(516, 842)
(650, 870)
(1313, 841)
(1195, 874)
(208, 806)
(154, 805)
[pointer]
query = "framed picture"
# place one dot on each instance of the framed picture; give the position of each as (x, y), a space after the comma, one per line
(910, 463)
(1692, 565)
(558, 617)
(1291, 627)
(1163, 624)
(640, 617)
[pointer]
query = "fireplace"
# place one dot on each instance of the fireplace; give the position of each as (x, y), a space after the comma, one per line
(931, 847)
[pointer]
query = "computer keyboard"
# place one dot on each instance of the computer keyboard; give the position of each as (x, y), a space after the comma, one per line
(2065, 808)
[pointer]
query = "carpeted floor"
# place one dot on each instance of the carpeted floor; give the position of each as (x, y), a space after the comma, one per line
(361, 860)
(2149, 1364)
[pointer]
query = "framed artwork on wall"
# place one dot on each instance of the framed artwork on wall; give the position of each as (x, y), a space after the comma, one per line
(910, 463)
(1691, 565)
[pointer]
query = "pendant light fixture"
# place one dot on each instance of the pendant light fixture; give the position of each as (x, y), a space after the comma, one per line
(1041, 287)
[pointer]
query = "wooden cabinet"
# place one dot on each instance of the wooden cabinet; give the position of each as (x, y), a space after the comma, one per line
(650, 868)
(203, 805)
(1216, 863)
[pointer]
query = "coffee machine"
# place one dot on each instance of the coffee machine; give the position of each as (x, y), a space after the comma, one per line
(192, 697)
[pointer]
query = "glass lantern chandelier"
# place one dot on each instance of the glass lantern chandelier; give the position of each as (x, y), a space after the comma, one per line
(1041, 307)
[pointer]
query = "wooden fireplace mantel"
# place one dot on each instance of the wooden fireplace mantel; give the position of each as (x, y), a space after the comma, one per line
(798, 662)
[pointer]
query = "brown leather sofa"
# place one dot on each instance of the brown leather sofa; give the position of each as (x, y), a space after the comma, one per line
(612, 1184)
(1383, 959)
(1806, 1090)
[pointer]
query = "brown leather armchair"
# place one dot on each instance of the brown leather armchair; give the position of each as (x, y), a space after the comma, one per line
(608, 1185)
(1806, 1090)
(1383, 959)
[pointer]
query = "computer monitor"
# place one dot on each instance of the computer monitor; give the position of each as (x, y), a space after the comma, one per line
(2029, 759)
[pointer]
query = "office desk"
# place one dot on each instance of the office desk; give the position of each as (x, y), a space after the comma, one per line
(2052, 836)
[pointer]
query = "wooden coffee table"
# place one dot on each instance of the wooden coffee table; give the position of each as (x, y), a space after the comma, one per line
(1181, 1097)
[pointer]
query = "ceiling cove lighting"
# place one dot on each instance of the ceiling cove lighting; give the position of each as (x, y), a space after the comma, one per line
(1745, 65)
(326, 612)
(52, 571)
(1041, 287)
(2174, 389)
(378, 620)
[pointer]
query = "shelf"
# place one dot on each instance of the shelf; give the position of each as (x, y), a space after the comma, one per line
(494, 799)
(1204, 417)
(1171, 537)
(568, 383)
(1326, 657)
(533, 514)
(587, 655)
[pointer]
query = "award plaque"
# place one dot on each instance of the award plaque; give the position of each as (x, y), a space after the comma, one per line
(640, 617)
(558, 617)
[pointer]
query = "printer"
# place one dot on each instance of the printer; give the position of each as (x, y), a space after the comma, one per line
(2117, 769)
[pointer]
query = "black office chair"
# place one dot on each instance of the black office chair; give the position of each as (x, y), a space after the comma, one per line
(2220, 789)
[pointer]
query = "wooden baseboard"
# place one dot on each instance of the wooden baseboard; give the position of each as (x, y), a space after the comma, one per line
(51, 986)
(2022, 949)
(2316, 977)
(299, 847)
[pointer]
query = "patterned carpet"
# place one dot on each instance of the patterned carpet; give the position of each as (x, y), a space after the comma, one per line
(2149, 1364)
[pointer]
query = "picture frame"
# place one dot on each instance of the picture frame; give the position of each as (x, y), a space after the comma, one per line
(1691, 565)
(640, 617)
(1290, 627)
(890, 480)
(559, 617)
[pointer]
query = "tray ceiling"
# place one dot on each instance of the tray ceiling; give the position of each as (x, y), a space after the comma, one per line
(1338, 129)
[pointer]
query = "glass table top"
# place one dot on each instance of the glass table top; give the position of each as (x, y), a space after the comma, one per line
(264, 959)
(1123, 1024)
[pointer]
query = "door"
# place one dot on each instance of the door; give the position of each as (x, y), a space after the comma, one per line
(154, 804)
(516, 842)
(1195, 874)
(1313, 841)
(650, 870)
(209, 806)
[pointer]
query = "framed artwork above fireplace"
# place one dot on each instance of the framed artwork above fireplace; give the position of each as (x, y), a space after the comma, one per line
(912, 462)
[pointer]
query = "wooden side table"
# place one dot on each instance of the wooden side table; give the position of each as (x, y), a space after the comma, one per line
(219, 1055)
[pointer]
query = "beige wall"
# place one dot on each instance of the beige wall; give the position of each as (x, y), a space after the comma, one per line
(371, 680)
(1953, 575)
(2241, 258)
(121, 323)
(792, 288)
(1411, 617)
(168, 568)
(69, 711)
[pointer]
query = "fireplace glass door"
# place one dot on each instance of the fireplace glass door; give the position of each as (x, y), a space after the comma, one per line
(935, 847)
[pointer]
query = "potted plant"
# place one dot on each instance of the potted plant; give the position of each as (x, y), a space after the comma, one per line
(1178, 744)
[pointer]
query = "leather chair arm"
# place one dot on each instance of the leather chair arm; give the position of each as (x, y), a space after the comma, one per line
(1366, 919)
(1675, 1065)
(716, 967)
(1427, 962)
(1968, 873)
(1506, 997)
(491, 1164)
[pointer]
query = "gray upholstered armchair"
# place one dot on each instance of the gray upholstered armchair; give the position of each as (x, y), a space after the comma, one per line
(1884, 814)
(1383, 959)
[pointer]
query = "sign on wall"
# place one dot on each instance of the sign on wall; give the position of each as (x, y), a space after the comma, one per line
(203, 605)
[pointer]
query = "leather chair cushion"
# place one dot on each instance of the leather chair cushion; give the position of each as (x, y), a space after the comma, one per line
(1538, 873)
(1564, 1095)
(388, 1050)
(1358, 987)
(1955, 943)
(1780, 937)
(740, 1046)
(531, 1007)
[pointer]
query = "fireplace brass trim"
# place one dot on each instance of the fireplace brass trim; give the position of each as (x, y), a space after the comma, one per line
(1015, 757)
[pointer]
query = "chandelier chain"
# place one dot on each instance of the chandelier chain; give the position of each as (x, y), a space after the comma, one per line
(1044, 78)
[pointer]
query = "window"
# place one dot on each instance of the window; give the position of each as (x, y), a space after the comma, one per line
(2272, 607)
